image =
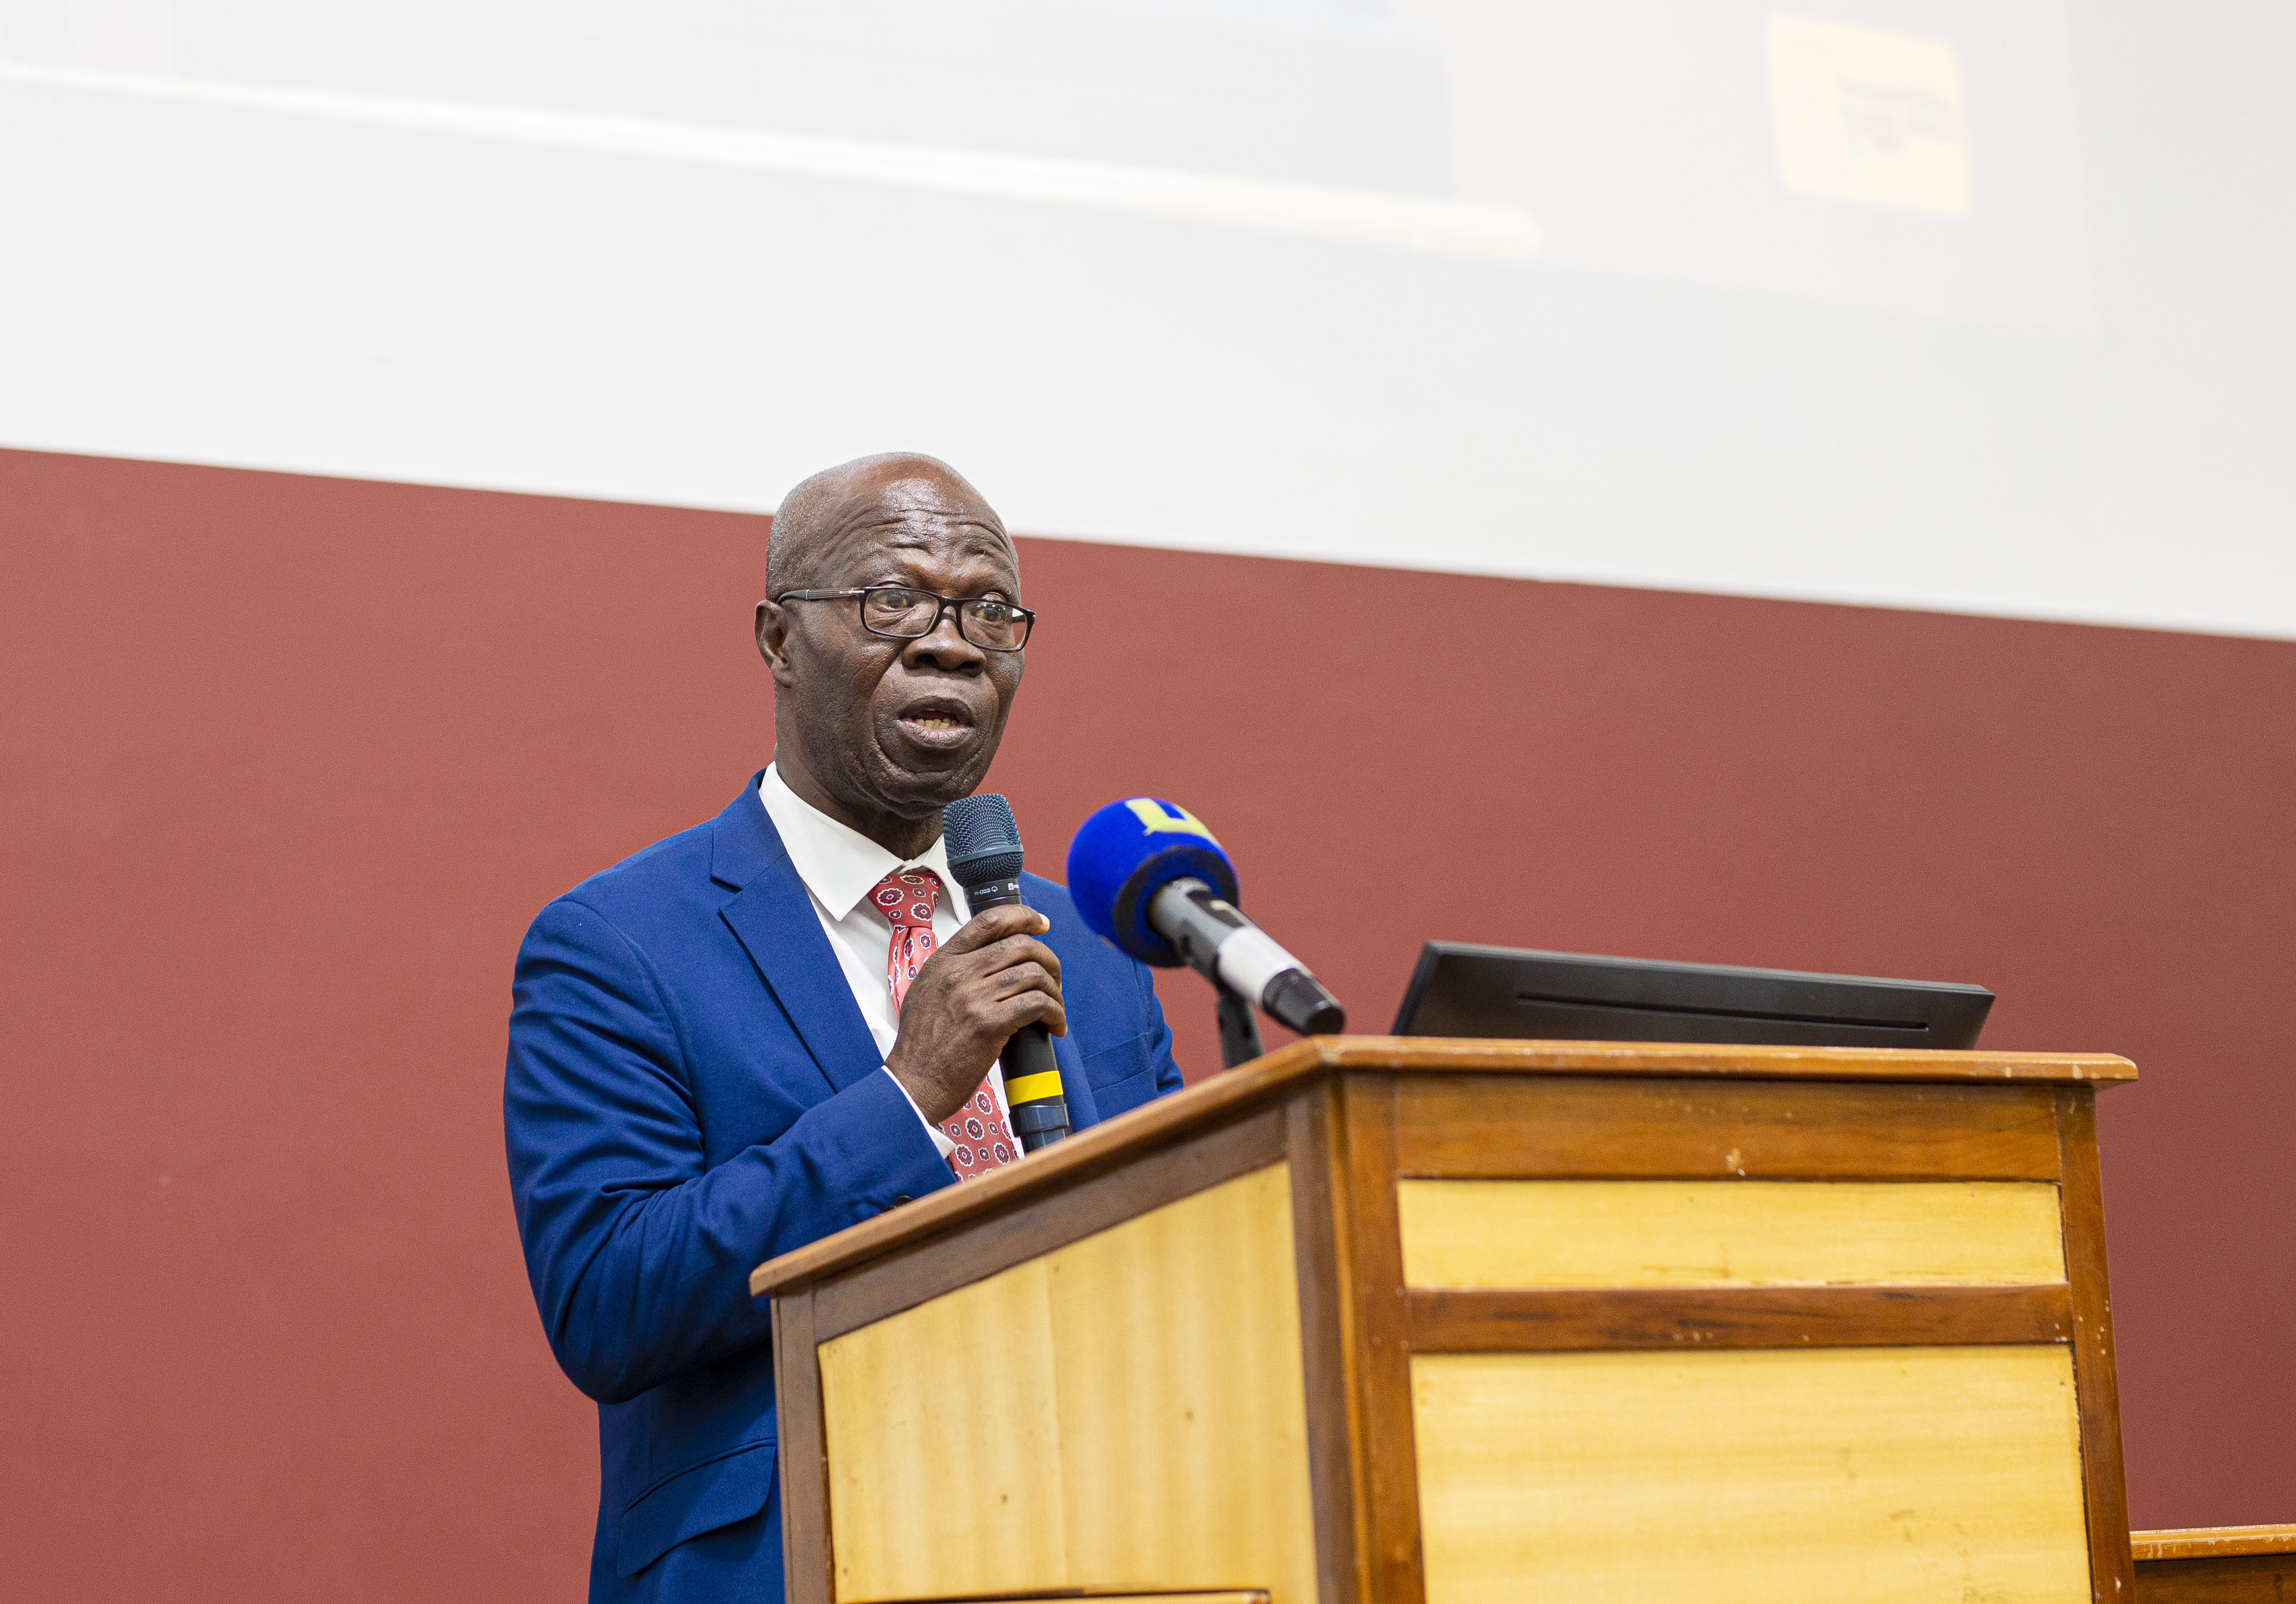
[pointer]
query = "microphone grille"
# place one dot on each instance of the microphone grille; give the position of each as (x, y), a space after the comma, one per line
(983, 842)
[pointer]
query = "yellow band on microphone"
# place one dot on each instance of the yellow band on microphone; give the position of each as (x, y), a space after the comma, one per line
(1033, 1088)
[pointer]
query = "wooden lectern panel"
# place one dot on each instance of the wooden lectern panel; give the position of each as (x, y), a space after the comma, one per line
(1730, 1233)
(1855, 1476)
(1473, 1124)
(1376, 1321)
(1124, 1412)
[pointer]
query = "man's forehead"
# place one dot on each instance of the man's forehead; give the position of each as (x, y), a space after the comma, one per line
(919, 496)
(915, 515)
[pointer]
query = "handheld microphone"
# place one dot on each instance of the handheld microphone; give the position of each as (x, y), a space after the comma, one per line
(1147, 875)
(984, 854)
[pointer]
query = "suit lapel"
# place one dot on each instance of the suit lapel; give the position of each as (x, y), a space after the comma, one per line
(772, 916)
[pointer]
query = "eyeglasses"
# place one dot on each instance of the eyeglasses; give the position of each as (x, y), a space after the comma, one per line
(908, 614)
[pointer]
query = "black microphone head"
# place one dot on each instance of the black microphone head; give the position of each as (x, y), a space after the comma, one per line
(984, 844)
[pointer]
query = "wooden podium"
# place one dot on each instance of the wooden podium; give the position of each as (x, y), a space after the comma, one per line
(1383, 1320)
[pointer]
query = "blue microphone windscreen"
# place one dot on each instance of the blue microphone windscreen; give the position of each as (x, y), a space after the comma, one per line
(983, 842)
(1127, 853)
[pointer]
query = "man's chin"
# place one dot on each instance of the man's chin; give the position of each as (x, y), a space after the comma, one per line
(936, 776)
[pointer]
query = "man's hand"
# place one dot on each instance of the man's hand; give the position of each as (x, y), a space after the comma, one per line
(992, 978)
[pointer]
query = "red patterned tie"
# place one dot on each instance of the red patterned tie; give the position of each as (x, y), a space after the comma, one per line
(907, 898)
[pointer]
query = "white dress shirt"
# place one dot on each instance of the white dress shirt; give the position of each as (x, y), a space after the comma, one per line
(840, 867)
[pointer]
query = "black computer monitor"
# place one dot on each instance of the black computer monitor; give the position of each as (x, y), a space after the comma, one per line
(1460, 990)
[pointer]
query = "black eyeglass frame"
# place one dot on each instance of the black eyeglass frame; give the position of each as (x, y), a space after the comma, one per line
(1027, 616)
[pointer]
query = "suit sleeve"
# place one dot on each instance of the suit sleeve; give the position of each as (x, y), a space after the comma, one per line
(639, 1257)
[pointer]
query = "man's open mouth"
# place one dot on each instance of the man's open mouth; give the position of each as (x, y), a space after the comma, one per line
(938, 722)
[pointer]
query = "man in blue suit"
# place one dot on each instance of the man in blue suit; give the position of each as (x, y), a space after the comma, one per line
(780, 1022)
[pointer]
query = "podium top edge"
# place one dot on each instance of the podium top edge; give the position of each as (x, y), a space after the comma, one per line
(1265, 1080)
(2214, 1543)
(1441, 1055)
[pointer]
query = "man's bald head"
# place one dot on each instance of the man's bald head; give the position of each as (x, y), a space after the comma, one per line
(827, 504)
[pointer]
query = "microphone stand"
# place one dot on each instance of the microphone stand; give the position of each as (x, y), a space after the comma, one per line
(1239, 1027)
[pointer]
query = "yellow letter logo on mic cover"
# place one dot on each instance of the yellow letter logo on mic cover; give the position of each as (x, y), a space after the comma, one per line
(1166, 818)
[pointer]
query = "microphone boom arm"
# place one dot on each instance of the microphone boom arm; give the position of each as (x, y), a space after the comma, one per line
(1238, 957)
(1239, 1027)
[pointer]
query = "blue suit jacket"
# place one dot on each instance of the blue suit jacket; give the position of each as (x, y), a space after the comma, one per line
(692, 1091)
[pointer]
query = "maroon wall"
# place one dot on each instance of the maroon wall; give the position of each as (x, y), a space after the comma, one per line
(291, 762)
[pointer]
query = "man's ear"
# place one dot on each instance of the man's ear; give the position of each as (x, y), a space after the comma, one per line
(773, 641)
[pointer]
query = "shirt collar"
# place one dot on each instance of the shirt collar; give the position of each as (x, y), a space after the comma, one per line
(838, 864)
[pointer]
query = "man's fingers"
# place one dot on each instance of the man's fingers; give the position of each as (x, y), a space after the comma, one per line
(1021, 978)
(1030, 1007)
(993, 925)
(1015, 951)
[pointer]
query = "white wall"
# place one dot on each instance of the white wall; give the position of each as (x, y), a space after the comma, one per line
(1518, 289)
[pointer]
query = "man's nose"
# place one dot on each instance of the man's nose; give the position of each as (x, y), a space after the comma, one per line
(946, 648)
